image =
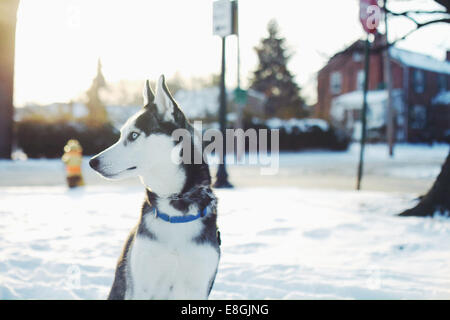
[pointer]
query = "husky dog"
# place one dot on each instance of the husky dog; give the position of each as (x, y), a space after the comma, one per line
(174, 251)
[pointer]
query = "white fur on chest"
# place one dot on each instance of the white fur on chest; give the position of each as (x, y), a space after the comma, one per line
(173, 266)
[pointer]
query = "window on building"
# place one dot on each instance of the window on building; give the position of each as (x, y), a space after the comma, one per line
(360, 80)
(419, 81)
(357, 114)
(336, 82)
(442, 82)
(357, 56)
(418, 117)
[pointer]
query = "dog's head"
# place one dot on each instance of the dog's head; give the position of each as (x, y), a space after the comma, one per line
(145, 146)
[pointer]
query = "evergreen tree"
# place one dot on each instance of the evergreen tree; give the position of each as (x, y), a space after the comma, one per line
(274, 79)
(97, 111)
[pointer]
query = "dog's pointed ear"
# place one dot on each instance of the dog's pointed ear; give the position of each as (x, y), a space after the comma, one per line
(166, 104)
(149, 96)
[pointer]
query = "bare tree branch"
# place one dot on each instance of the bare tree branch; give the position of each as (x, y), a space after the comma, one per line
(407, 14)
(421, 25)
(416, 12)
(418, 26)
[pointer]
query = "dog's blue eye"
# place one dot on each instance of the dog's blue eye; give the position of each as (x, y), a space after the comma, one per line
(133, 136)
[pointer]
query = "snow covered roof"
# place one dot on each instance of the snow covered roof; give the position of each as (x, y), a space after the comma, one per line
(301, 124)
(198, 103)
(442, 98)
(256, 94)
(376, 103)
(354, 99)
(419, 60)
(79, 110)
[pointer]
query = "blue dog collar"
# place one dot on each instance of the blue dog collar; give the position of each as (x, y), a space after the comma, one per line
(180, 219)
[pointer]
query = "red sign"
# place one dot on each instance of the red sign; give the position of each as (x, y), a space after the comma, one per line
(369, 15)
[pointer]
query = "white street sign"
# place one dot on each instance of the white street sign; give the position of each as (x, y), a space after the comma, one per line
(222, 18)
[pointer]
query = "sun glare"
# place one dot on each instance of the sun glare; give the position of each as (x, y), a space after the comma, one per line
(58, 42)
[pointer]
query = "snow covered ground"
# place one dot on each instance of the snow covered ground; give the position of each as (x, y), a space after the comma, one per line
(413, 170)
(288, 236)
(287, 243)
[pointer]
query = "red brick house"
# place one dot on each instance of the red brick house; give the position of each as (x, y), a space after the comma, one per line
(417, 81)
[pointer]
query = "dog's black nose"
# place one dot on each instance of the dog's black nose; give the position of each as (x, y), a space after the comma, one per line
(94, 163)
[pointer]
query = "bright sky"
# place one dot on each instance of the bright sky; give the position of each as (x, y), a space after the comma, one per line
(58, 42)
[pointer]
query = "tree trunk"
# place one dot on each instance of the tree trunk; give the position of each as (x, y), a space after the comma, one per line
(8, 17)
(438, 197)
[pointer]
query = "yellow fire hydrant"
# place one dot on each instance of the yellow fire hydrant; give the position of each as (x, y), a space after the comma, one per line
(72, 158)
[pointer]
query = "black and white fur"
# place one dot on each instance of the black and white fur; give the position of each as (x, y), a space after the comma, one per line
(163, 260)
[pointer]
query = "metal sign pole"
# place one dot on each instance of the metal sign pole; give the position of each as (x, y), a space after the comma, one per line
(364, 111)
(223, 25)
(222, 175)
(390, 132)
(369, 15)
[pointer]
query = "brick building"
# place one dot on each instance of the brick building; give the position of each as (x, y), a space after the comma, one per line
(418, 82)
